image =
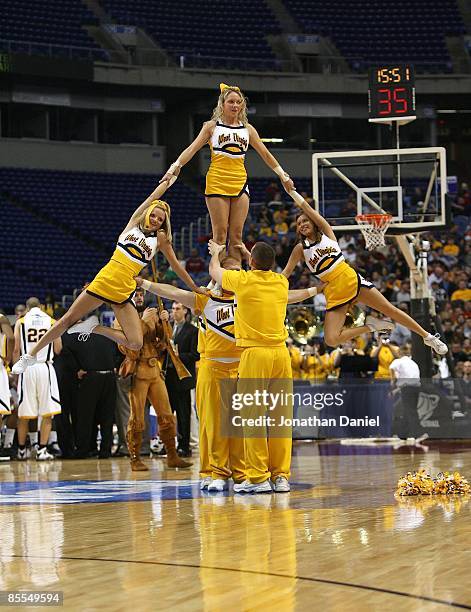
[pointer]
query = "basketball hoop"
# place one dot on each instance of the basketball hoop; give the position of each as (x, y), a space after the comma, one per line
(373, 228)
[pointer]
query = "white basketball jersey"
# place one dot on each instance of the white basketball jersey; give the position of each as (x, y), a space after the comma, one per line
(136, 246)
(33, 326)
(229, 141)
(323, 257)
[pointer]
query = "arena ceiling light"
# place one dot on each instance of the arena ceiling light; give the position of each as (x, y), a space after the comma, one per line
(273, 139)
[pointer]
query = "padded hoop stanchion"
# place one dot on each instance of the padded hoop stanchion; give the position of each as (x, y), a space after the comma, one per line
(373, 228)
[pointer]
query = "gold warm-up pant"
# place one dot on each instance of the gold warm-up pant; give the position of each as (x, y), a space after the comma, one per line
(270, 455)
(221, 457)
(156, 391)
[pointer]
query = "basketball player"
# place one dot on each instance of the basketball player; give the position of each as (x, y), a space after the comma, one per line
(228, 134)
(7, 342)
(262, 297)
(147, 232)
(38, 391)
(319, 248)
(220, 457)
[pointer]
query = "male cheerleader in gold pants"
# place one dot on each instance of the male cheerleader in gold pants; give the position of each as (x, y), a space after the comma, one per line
(221, 457)
(262, 296)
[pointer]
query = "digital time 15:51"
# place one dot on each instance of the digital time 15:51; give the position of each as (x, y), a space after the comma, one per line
(397, 74)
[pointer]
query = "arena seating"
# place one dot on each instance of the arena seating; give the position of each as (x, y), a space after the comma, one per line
(203, 31)
(402, 31)
(50, 27)
(84, 212)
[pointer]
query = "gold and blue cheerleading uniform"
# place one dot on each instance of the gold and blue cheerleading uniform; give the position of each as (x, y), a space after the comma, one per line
(115, 282)
(227, 176)
(220, 457)
(326, 261)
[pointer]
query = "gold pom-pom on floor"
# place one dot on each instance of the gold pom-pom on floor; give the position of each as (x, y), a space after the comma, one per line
(421, 483)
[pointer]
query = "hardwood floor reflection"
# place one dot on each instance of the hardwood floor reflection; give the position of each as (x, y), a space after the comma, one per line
(111, 539)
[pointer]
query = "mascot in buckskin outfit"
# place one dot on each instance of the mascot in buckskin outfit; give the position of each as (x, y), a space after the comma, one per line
(148, 384)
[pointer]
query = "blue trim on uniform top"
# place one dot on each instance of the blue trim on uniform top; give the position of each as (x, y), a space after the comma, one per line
(327, 268)
(126, 248)
(219, 329)
(225, 149)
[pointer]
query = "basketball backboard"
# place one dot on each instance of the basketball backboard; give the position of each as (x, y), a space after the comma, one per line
(409, 184)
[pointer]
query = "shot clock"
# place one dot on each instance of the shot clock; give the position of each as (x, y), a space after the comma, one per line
(391, 94)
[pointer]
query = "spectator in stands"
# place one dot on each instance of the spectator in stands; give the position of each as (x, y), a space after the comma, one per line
(228, 134)
(458, 353)
(385, 353)
(281, 227)
(50, 305)
(451, 249)
(265, 230)
(403, 295)
(20, 311)
(462, 292)
(271, 191)
(147, 231)
(276, 203)
(195, 264)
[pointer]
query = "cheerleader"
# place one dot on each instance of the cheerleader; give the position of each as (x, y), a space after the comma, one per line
(147, 232)
(228, 134)
(319, 248)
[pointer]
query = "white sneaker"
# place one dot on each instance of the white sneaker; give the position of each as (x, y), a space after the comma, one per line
(204, 482)
(249, 487)
(23, 454)
(23, 362)
(84, 328)
(376, 324)
(156, 445)
(281, 485)
(437, 345)
(218, 484)
(44, 455)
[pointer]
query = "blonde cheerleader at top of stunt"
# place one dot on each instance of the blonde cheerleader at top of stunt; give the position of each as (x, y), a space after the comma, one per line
(147, 232)
(228, 134)
(319, 248)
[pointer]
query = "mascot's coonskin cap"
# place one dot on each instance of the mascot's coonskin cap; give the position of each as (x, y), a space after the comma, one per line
(166, 225)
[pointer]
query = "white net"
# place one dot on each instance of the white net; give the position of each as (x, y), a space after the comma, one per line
(373, 228)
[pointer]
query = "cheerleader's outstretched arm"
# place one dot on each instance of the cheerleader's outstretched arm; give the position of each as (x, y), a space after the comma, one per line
(155, 195)
(295, 257)
(186, 155)
(166, 248)
(318, 219)
(169, 292)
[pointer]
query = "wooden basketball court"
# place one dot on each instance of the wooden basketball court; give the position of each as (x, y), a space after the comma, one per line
(113, 540)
